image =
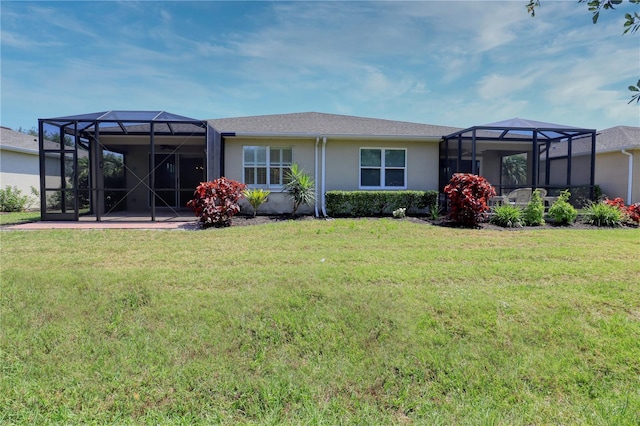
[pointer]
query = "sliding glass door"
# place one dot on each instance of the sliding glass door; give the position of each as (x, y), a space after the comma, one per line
(176, 177)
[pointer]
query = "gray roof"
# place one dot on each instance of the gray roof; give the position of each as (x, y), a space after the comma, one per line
(21, 142)
(619, 137)
(607, 140)
(321, 124)
(18, 141)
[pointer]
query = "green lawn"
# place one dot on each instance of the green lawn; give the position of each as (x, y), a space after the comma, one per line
(321, 322)
(18, 217)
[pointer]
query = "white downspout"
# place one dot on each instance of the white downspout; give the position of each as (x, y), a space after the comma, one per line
(630, 177)
(323, 186)
(315, 171)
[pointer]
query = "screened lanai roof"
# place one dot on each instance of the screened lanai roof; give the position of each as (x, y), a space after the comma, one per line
(518, 135)
(129, 123)
(518, 129)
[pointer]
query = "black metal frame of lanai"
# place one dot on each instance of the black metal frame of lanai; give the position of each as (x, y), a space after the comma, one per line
(516, 136)
(71, 138)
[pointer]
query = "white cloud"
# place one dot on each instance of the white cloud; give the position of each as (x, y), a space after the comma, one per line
(498, 86)
(453, 63)
(64, 21)
(20, 41)
(166, 16)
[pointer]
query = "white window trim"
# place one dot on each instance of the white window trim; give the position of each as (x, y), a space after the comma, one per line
(268, 165)
(382, 169)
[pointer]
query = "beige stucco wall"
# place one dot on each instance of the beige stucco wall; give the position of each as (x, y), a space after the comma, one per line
(22, 170)
(278, 201)
(581, 170)
(343, 162)
(612, 175)
(342, 157)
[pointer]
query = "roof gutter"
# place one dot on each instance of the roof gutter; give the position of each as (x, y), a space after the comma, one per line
(263, 135)
(630, 176)
(20, 149)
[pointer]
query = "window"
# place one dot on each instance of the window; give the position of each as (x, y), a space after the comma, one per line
(383, 168)
(266, 166)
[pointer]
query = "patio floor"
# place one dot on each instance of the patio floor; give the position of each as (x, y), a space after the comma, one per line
(124, 221)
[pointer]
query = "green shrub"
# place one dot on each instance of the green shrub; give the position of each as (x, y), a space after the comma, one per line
(533, 214)
(376, 203)
(12, 200)
(256, 198)
(561, 211)
(300, 187)
(507, 216)
(603, 214)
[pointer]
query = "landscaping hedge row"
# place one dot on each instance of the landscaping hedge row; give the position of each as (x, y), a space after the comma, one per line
(377, 203)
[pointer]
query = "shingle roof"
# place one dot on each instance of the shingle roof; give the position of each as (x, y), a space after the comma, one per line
(619, 137)
(321, 124)
(18, 141)
(10, 138)
(607, 140)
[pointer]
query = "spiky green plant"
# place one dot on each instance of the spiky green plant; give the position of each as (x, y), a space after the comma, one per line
(507, 216)
(603, 214)
(256, 197)
(300, 187)
(435, 211)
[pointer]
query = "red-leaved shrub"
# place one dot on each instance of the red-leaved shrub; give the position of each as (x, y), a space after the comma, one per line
(468, 195)
(631, 212)
(216, 202)
(617, 202)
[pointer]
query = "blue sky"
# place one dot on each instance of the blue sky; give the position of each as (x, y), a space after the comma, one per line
(456, 63)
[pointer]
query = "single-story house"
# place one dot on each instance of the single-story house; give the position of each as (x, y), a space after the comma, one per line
(19, 162)
(340, 152)
(149, 162)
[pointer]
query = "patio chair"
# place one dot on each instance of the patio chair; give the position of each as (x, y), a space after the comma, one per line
(520, 196)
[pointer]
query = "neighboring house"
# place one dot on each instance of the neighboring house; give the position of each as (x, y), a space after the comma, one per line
(19, 162)
(618, 162)
(617, 166)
